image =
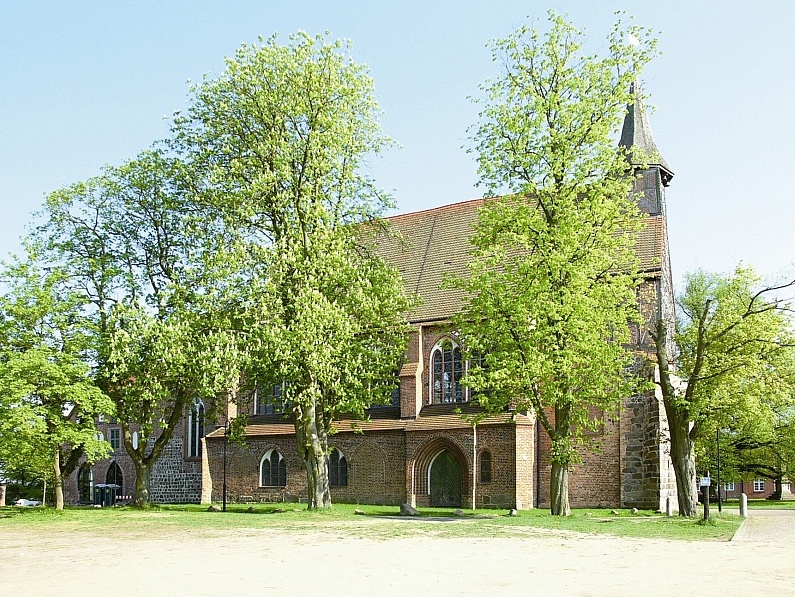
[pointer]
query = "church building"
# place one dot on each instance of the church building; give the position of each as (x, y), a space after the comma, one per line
(421, 449)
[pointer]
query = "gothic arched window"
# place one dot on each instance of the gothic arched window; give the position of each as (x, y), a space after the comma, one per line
(337, 469)
(195, 429)
(447, 369)
(273, 470)
(84, 483)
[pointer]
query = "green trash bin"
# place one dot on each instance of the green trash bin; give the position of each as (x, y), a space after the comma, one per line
(105, 494)
(99, 495)
(111, 490)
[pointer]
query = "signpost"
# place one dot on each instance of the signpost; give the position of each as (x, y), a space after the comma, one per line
(705, 482)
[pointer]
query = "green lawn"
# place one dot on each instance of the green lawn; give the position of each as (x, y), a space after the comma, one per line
(762, 504)
(377, 522)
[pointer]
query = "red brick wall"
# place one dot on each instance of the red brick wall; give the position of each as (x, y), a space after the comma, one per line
(595, 481)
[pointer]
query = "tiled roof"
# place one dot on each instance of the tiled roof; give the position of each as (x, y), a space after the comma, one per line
(454, 416)
(437, 416)
(434, 244)
(636, 132)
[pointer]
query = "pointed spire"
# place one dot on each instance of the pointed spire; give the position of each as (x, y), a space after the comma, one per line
(637, 134)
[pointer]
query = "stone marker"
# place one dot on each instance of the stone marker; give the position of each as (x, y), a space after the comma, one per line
(743, 505)
(408, 510)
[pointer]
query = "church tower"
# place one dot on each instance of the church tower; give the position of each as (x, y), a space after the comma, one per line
(647, 474)
(652, 171)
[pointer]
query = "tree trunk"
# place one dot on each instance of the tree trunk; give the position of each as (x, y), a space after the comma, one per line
(142, 472)
(317, 481)
(313, 448)
(58, 484)
(684, 460)
(778, 483)
(559, 489)
(561, 457)
(682, 455)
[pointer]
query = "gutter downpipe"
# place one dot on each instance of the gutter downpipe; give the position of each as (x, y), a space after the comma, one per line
(474, 462)
(537, 461)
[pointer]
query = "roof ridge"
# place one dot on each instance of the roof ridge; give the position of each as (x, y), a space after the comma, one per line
(438, 208)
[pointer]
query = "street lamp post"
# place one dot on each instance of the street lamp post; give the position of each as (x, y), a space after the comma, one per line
(226, 441)
(717, 440)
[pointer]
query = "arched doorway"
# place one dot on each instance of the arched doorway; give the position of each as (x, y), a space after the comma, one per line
(114, 476)
(84, 482)
(445, 478)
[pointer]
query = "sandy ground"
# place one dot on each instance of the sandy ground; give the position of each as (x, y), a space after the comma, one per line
(249, 562)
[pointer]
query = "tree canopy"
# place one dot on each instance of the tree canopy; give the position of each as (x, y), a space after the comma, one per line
(551, 285)
(48, 394)
(734, 358)
(131, 247)
(280, 142)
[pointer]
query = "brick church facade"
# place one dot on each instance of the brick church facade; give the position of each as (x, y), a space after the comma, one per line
(420, 449)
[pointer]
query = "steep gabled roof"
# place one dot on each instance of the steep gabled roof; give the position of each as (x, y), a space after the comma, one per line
(434, 244)
(636, 133)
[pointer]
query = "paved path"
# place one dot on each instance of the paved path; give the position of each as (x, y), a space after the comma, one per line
(768, 526)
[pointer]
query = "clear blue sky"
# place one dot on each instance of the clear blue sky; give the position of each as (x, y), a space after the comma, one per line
(92, 82)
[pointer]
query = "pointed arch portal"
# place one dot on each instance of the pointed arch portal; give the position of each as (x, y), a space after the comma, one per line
(445, 480)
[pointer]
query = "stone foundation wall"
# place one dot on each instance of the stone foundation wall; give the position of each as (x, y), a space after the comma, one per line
(174, 479)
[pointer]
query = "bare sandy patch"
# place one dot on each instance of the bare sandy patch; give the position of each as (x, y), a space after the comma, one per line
(331, 562)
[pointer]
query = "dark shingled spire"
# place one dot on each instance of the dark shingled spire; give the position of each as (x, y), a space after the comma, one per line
(637, 134)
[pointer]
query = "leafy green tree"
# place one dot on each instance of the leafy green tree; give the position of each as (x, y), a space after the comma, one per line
(280, 140)
(756, 424)
(135, 253)
(551, 285)
(48, 394)
(733, 359)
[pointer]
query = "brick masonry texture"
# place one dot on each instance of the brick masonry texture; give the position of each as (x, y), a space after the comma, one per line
(174, 478)
(391, 457)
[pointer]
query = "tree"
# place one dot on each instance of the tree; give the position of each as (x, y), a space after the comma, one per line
(732, 351)
(130, 246)
(770, 455)
(551, 285)
(281, 138)
(48, 394)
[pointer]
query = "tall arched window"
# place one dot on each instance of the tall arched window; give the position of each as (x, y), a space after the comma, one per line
(485, 466)
(114, 476)
(273, 470)
(195, 429)
(337, 469)
(447, 369)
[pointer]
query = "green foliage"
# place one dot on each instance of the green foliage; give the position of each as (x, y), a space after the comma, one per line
(277, 145)
(735, 359)
(551, 287)
(48, 395)
(735, 352)
(142, 264)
